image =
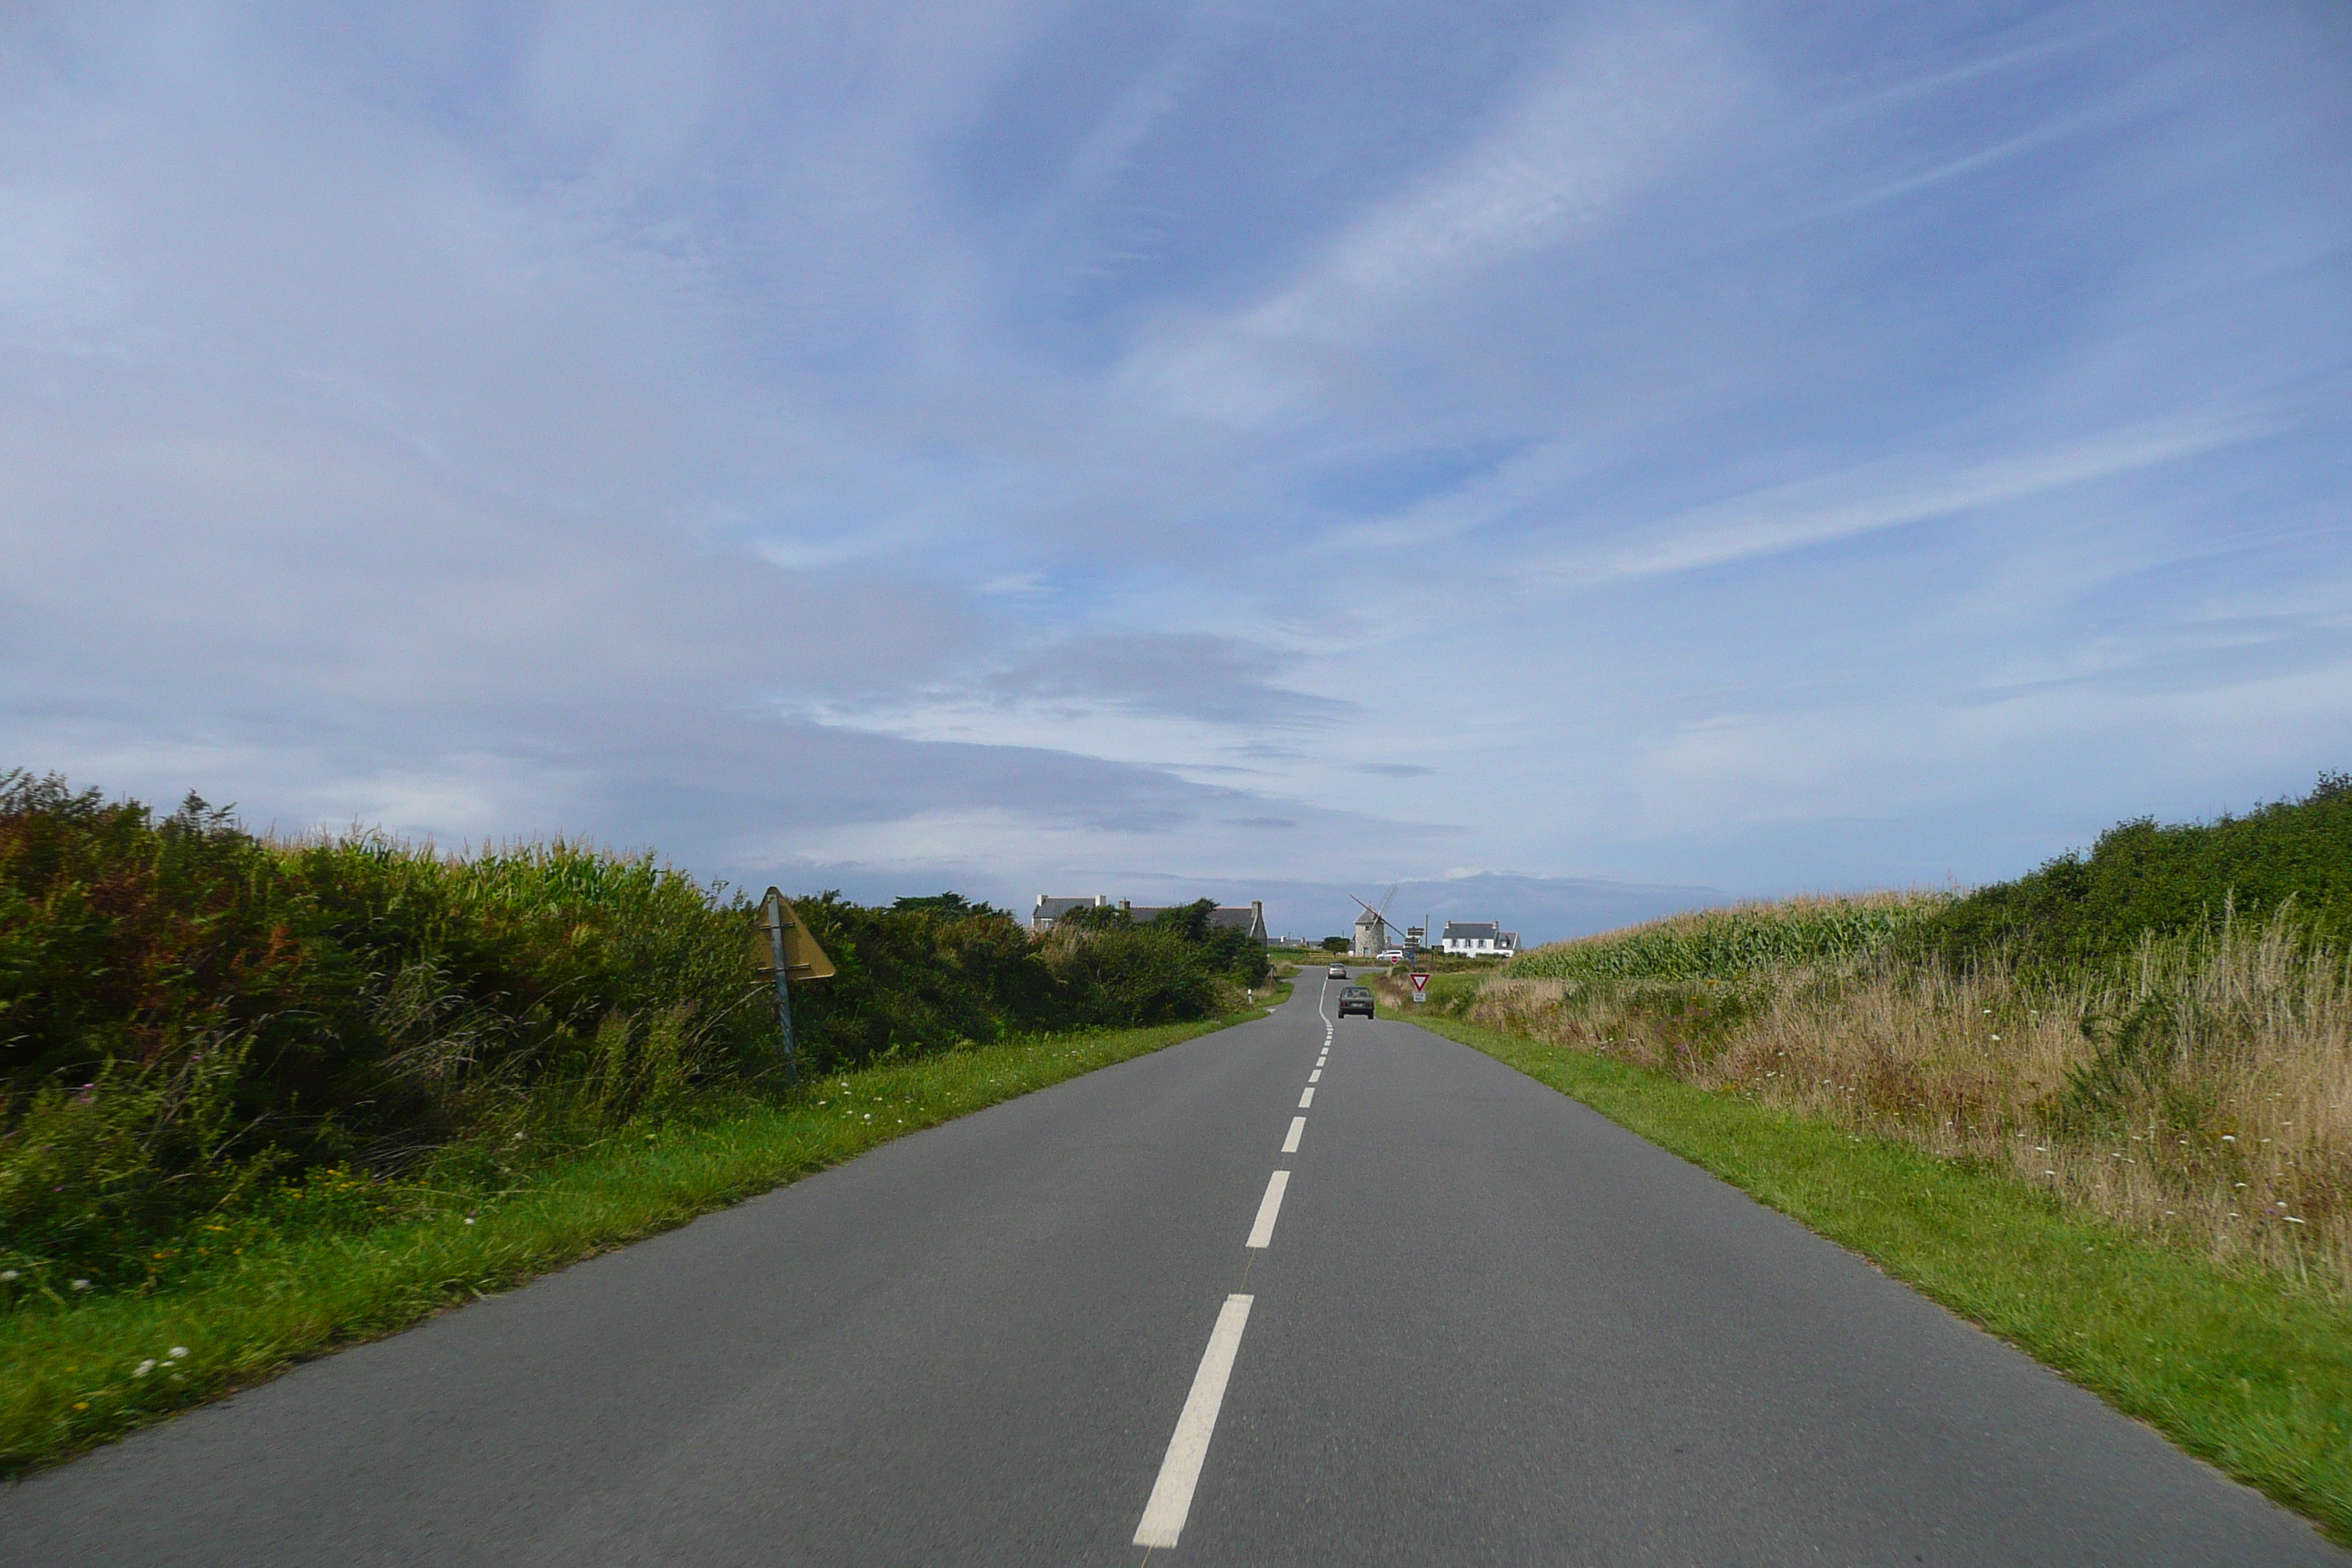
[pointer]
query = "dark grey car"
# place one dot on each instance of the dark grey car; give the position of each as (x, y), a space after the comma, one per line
(1356, 999)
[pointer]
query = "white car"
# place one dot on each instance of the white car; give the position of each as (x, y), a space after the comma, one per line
(1391, 955)
(1337, 972)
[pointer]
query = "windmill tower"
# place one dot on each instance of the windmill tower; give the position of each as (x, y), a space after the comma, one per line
(1372, 927)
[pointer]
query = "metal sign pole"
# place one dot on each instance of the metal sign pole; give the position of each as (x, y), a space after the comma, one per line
(775, 913)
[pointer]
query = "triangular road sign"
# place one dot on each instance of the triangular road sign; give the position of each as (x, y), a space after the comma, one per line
(804, 959)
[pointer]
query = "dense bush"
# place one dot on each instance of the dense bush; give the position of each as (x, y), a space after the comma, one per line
(2141, 878)
(192, 1018)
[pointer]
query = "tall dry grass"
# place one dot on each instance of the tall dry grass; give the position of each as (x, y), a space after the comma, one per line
(2201, 1090)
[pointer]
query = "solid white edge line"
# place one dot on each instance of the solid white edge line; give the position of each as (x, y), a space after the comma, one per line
(1306, 1100)
(1268, 1207)
(1297, 1126)
(1180, 1472)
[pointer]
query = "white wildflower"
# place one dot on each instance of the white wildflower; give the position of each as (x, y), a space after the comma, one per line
(143, 1368)
(178, 1352)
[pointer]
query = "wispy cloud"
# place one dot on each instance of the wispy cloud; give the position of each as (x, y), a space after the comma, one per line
(1895, 492)
(1623, 95)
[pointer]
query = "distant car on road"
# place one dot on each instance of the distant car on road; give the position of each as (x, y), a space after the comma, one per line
(1357, 999)
(1338, 971)
(1391, 955)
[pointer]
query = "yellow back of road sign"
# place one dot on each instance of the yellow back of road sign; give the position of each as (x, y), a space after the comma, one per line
(804, 959)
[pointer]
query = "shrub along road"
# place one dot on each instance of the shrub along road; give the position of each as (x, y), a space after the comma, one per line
(1235, 1301)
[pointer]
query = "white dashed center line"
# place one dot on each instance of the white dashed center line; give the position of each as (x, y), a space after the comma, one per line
(1180, 1472)
(1268, 1207)
(1188, 1449)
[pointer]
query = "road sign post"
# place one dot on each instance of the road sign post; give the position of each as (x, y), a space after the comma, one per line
(783, 988)
(1421, 985)
(784, 947)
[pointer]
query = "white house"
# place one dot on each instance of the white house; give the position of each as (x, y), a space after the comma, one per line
(1479, 938)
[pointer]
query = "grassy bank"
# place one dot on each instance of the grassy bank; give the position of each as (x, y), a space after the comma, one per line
(348, 1256)
(2104, 1110)
(2196, 1090)
(2241, 1366)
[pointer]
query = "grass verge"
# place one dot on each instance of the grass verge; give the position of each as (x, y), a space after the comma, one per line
(73, 1376)
(2238, 1368)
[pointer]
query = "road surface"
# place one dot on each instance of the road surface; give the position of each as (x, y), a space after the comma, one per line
(1391, 1304)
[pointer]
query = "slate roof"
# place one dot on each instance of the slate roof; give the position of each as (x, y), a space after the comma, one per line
(1250, 918)
(1051, 909)
(1225, 917)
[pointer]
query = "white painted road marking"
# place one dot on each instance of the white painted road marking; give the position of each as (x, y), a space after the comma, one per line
(1268, 1207)
(1180, 1472)
(1306, 1100)
(1297, 1126)
(1317, 1073)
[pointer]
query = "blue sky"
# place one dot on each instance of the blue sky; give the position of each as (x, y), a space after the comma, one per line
(1575, 459)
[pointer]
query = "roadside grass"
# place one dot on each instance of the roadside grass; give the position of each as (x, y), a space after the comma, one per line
(2240, 1367)
(75, 1373)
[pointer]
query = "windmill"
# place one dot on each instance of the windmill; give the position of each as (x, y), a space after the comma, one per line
(1372, 925)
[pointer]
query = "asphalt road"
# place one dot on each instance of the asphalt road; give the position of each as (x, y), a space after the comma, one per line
(1484, 1325)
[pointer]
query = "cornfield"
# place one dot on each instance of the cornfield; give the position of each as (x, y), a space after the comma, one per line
(1738, 939)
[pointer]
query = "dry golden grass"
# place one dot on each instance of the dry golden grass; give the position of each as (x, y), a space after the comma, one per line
(2203, 1092)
